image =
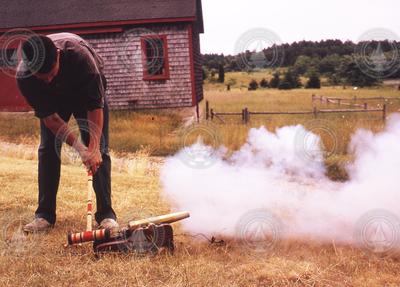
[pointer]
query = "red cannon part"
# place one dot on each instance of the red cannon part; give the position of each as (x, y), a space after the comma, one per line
(89, 236)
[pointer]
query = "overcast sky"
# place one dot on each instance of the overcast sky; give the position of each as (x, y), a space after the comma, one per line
(293, 20)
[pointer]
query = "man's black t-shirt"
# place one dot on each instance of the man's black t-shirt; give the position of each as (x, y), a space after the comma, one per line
(79, 85)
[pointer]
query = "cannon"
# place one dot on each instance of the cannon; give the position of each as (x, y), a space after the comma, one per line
(140, 236)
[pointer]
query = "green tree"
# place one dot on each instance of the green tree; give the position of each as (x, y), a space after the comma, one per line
(314, 82)
(351, 74)
(291, 80)
(253, 85)
(275, 81)
(334, 79)
(330, 64)
(264, 83)
(304, 63)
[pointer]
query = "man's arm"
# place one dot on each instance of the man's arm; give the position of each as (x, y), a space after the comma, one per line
(60, 129)
(95, 119)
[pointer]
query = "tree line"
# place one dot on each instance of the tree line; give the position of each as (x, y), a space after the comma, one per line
(332, 59)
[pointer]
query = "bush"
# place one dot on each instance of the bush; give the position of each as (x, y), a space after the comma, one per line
(253, 85)
(264, 83)
(293, 79)
(285, 86)
(275, 81)
(290, 81)
(314, 82)
(351, 74)
(329, 64)
(334, 79)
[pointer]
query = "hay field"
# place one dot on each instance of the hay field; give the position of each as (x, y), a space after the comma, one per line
(136, 138)
(42, 260)
(158, 132)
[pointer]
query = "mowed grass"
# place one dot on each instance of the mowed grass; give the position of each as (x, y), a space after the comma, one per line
(42, 260)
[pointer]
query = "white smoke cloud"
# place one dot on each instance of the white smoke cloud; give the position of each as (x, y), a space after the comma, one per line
(274, 172)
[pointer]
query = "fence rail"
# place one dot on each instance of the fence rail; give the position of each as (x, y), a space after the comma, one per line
(345, 101)
(211, 114)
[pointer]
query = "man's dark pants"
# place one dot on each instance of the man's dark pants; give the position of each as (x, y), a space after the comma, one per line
(50, 165)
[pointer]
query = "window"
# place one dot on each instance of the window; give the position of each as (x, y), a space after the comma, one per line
(155, 58)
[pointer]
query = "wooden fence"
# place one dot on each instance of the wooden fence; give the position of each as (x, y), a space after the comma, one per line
(246, 114)
(351, 102)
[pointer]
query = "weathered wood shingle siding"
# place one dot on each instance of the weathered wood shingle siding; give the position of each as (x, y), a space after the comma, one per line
(198, 66)
(124, 68)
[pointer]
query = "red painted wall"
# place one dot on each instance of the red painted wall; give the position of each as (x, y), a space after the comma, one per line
(10, 98)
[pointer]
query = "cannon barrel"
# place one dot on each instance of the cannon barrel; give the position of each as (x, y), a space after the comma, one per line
(163, 219)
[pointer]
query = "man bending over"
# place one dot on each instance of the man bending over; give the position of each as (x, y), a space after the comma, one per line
(60, 75)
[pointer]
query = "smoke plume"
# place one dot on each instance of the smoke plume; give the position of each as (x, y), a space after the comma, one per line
(273, 172)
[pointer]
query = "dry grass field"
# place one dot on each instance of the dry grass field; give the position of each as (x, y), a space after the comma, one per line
(136, 138)
(158, 131)
(42, 260)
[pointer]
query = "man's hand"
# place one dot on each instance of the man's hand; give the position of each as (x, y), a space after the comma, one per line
(91, 158)
(95, 160)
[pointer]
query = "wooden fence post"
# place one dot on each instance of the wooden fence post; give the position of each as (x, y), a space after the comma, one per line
(212, 114)
(246, 116)
(315, 111)
(384, 112)
(207, 110)
(243, 116)
(365, 106)
(198, 112)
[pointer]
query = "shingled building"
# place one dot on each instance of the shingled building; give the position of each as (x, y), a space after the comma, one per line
(151, 48)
